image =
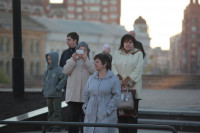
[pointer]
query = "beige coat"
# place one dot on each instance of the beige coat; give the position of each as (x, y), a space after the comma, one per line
(78, 73)
(129, 65)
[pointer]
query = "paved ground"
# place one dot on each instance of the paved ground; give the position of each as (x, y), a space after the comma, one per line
(171, 99)
(164, 99)
(161, 99)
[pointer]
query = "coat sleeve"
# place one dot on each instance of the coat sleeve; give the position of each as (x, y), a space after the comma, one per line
(89, 66)
(116, 95)
(44, 80)
(114, 69)
(62, 79)
(61, 60)
(86, 95)
(137, 73)
(69, 66)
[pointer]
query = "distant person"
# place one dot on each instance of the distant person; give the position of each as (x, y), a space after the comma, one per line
(78, 68)
(101, 96)
(54, 81)
(107, 50)
(138, 44)
(72, 41)
(127, 64)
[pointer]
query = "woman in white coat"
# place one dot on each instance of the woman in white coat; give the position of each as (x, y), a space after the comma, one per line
(101, 96)
(127, 64)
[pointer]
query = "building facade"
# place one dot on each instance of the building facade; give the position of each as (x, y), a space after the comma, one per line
(33, 47)
(160, 61)
(190, 39)
(106, 11)
(175, 54)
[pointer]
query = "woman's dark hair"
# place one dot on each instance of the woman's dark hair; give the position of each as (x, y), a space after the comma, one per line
(139, 46)
(104, 58)
(127, 37)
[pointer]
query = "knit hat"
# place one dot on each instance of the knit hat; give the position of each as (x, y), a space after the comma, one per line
(84, 45)
(106, 46)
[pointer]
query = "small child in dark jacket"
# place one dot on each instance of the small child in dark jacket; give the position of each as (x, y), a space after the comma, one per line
(54, 81)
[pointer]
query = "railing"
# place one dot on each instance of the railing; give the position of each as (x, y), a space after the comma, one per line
(81, 124)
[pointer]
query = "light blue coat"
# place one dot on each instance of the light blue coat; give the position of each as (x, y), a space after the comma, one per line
(101, 99)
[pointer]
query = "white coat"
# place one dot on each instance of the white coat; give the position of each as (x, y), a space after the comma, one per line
(127, 64)
(78, 73)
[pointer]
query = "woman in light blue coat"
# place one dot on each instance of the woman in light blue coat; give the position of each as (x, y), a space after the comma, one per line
(101, 96)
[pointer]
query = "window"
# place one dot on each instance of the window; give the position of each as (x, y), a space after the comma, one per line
(94, 8)
(70, 8)
(79, 2)
(193, 36)
(32, 47)
(1, 64)
(193, 45)
(105, 2)
(38, 68)
(32, 68)
(113, 2)
(37, 47)
(79, 17)
(113, 9)
(193, 20)
(70, 15)
(193, 53)
(7, 45)
(8, 67)
(1, 44)
(70, 1)
(104, 17)
(79, 9)
(105, 10)
(193, 28)
(113, 16)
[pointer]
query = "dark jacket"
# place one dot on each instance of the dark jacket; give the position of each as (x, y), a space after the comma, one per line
(66, 55)
(54, 79)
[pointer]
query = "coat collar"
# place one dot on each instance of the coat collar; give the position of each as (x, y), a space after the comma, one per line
(133, 51)
(108, 75)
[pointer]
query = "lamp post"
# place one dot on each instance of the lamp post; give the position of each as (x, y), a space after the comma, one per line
(17, 60)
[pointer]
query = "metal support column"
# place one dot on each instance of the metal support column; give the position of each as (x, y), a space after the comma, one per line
(17, 60)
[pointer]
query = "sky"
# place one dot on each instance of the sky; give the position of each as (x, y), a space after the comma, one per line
(163, 17)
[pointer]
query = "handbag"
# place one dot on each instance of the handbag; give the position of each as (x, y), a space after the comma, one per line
(127, 100)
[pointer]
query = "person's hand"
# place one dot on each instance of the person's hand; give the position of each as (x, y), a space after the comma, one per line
(74, 56)
(84, 57)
